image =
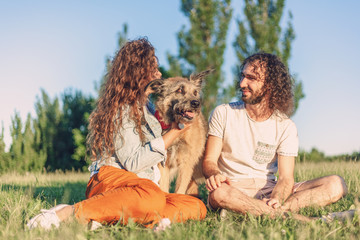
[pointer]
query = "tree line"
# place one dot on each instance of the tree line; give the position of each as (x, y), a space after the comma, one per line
(55, 138)
(315, 155)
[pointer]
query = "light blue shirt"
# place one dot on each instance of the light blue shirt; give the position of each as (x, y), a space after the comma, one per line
(131, 153)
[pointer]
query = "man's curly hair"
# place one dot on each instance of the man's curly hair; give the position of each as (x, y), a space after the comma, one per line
(278, 85)
(131, 70)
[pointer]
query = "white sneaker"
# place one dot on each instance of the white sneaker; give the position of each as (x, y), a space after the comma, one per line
(46, 218)
(163, 224)
(93, 225)
(341, 216)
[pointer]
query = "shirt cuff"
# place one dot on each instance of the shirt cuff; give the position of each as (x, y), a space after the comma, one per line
(287, 154)
(212, 133)
(158, 145)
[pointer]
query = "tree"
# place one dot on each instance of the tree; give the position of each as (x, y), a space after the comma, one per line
(57, 130)
(31, 160)
(122, 39)
(46, 129)
(261, 31)
(4, 156)
(202, 46)
(23, 156)
(73, 128)
(17, 141)
(80, 154)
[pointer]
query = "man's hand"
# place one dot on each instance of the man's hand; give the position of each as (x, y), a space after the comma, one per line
(215, 181)
(272, 202)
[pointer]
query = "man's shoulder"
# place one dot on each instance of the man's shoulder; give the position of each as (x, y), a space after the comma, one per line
(231, 105)
(236, 105)
(223, 110)
(284, 121)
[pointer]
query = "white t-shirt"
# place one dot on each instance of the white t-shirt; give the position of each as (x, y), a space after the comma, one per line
(250, 148)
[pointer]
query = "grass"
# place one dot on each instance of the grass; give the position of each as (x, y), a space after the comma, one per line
(22, 197)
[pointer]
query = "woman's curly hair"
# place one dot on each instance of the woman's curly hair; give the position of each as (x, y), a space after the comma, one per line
(131, 70)
(278, 85)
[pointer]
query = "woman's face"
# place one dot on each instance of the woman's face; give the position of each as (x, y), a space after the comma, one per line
(157, 74)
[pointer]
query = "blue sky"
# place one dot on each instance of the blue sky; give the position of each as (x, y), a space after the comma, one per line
(56, 45)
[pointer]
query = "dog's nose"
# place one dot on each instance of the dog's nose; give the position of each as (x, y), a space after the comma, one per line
(195, 103)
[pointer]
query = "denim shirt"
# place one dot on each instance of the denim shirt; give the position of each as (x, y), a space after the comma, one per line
(133, 155)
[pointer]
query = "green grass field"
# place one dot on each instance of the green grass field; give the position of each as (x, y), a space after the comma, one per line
(22, 197)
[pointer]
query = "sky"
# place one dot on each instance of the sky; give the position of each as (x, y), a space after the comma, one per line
(56, 45)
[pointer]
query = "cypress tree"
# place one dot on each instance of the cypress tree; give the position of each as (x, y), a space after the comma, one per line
(16, 145)
(202, 46)
(22, 156)
(73, 128)
(4, 156)
(122, 39)
(262, 31)
(46, 129)
(30, 158)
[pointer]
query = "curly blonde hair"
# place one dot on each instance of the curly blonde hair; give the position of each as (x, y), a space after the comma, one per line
(278, 85)
(132, 69)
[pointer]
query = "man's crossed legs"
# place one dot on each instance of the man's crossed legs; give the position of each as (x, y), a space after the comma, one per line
(317, 192)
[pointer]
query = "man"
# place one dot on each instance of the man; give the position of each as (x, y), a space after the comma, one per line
(249, 141)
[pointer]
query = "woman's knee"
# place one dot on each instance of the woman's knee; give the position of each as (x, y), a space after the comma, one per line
(197, 207)
(200, 209)
(146, 196)
(152, 200)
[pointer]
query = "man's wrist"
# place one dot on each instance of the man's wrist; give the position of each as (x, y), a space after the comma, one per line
(214, 173)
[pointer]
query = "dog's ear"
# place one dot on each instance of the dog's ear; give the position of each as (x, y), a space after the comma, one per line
(199, 77)
(154, 86)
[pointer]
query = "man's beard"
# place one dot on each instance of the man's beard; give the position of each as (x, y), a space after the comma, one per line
(255, 97)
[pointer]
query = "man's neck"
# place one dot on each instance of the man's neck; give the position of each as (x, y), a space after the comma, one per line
(258, 112)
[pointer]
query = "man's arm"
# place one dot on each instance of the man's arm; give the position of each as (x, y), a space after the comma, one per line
(285, 184)
(213, 175)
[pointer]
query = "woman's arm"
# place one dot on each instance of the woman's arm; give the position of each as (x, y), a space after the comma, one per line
(173, 134)
(134, 156)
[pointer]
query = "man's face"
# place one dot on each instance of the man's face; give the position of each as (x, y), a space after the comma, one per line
(251, 83)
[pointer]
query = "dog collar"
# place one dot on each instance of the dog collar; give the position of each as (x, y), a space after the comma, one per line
(164, 126)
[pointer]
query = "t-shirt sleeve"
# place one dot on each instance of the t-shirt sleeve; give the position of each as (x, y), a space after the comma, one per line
(289, 144)
(217, 122)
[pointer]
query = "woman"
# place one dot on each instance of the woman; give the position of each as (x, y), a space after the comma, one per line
(126, 145)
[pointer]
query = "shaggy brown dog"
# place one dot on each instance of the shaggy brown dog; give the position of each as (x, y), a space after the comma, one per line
(178, 99)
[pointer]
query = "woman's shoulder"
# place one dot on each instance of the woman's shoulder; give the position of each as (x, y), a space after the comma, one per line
(124, 114)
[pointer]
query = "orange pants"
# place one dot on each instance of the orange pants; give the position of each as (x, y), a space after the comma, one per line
(115, 195)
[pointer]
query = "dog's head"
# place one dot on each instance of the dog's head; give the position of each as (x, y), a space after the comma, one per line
(178, 98)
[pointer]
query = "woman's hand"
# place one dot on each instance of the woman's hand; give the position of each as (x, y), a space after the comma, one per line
(181, 126)
(174, 133)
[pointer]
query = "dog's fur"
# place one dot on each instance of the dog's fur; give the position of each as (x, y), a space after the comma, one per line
(178, 99)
